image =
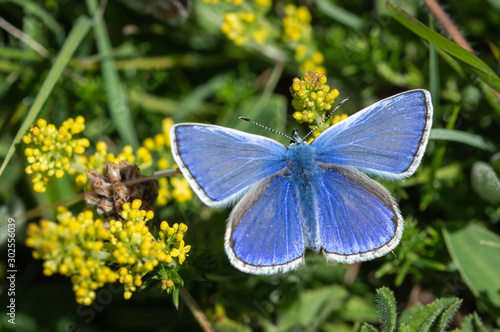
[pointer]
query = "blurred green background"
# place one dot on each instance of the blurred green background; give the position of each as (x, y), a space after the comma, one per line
(126, 65)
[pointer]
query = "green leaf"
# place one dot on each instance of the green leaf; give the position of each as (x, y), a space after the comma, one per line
(117, 101)
(434, 80)
(313, 307)
(495, 4)
(339, 14)
(404, 318)
(467, 59)
(468, 324)
(175, 297)
(450, 306)
(485, 181)
(478, 263)
(74, 39)
(359, 309)
(386, 305)
(423, 318)
(461, 137)
(368, 328)
(472, 323)
(495, 162)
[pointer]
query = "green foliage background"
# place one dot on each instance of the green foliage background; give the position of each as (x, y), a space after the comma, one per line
(125, 70)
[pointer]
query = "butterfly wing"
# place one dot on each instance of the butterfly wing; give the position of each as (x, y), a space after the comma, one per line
(221, 163)
(264, 233)
(358, 219)
(387, 139)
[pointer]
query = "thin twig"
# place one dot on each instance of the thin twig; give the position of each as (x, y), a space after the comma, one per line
(195, 310)
(39, 210)
(448, 25)
(24, 37)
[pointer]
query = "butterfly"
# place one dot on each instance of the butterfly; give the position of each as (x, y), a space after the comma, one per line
(317, 196)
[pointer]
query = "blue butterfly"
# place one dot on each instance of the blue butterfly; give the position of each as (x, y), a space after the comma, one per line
(314, 196)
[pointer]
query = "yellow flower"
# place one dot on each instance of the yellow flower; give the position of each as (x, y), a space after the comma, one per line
(260, 36)
(296, 23)
(166, 124)
(51, 151)
(182, 192)
(312, 98)
(181, 252)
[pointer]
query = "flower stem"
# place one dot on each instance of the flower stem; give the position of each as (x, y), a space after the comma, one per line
(195, 309)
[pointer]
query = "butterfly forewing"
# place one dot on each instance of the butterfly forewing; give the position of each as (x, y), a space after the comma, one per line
(387, 138)
(221, 163)
(357, 216)
(264, 233)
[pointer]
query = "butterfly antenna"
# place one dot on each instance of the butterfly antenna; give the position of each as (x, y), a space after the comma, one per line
(326, 118)
(258, 124)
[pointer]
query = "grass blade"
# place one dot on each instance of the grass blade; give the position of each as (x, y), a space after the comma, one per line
(117, 101)
(43, 15)
(467, 59)
(434, 82)
(74, 39)
(461, 137)
(339, 14)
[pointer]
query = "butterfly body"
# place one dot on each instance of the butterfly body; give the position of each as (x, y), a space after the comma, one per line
(315, 196)
(303, 171)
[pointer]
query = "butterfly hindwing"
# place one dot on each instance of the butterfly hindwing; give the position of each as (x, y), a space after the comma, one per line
(264, 233)
(387, 139)
(357, 216)
(221, 163)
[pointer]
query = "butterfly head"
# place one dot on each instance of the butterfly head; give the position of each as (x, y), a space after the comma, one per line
(296, 139)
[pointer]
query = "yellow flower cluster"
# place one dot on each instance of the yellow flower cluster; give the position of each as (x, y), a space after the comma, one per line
(297, 31)
(93, 253)
(242, 27)
(50, 151)
(96, 161)
(73, 248)
(249, 26)
(137, 251)
(175, 188)
(181, 191)
(311, 97)
(296, 23)
(135, 248)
